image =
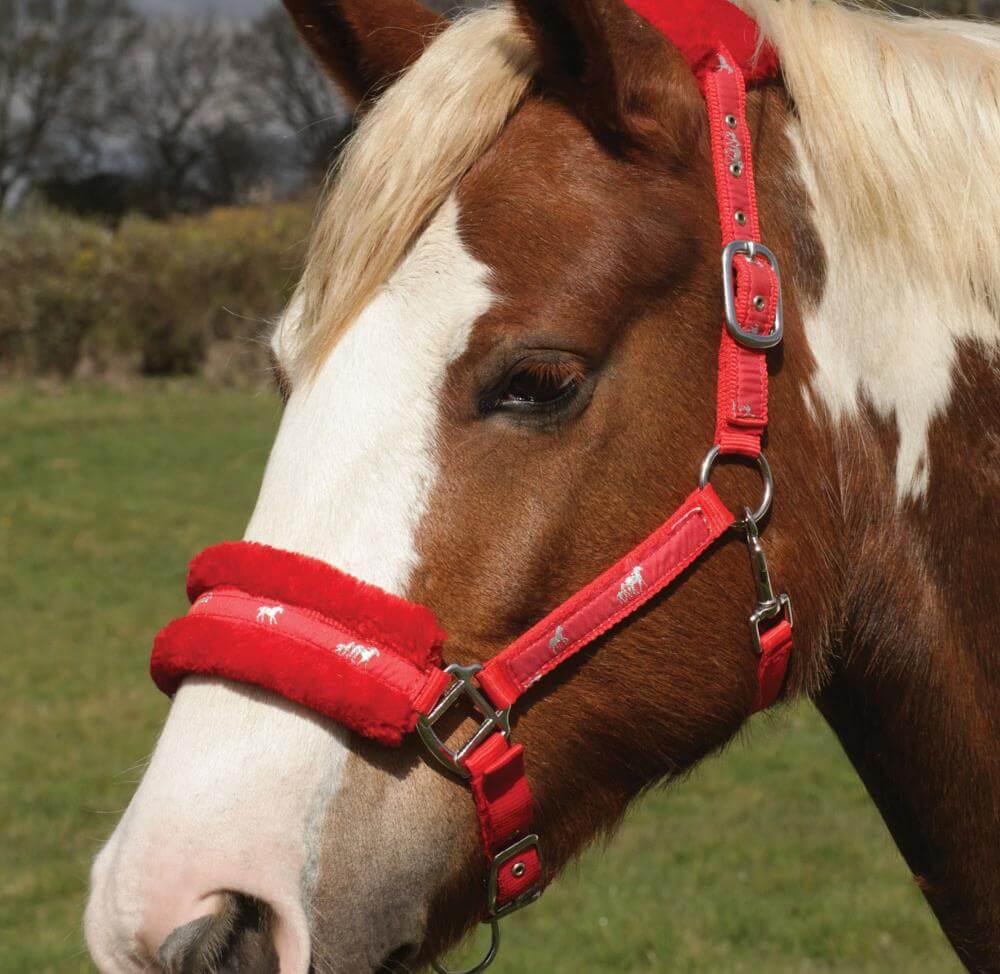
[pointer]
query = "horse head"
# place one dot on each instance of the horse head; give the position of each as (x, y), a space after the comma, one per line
(513, 291)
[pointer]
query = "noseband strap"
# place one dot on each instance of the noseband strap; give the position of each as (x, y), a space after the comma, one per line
(373, 662)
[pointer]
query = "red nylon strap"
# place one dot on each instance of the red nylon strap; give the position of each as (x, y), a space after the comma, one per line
(503, 805)
(741, 412)
(772, 666)
(623, 588)
(503, 798)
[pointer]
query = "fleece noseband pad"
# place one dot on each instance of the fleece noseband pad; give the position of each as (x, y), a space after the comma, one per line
(302, 629)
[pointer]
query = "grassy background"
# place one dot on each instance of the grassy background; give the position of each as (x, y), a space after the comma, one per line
(770, 858)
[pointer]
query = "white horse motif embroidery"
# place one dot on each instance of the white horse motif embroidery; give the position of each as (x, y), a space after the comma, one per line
(631, 585)
(269, 614)
(357, 653)
(734, 151)
(559, 638)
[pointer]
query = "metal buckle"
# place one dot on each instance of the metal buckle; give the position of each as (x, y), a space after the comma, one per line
(751, 339)
(494, 916)
(493, 719)
(769, 605)
(493, 880)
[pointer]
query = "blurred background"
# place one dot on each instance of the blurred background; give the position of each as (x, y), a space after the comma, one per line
(159, 164)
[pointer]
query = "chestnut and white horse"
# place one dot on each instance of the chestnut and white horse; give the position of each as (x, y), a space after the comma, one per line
(499, 369)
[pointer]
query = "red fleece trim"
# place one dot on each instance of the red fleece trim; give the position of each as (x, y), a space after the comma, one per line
(303, 651)
(298, 669)
(697, 28)
(283, 576)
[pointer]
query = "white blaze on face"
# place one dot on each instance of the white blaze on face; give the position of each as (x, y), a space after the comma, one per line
(237, 788)
(886, 331)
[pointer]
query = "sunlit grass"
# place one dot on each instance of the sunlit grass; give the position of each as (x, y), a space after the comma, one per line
(770, 858)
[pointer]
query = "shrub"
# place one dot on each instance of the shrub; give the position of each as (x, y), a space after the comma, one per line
(195, 280)
(158, 294)
(52, 270)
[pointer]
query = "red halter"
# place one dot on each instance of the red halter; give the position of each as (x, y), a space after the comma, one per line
(372, 661)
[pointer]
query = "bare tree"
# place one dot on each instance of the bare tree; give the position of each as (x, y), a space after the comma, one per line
(58, 61)
(172, 100)
(283, 78)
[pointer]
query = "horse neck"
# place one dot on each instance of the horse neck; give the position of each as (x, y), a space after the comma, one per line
(890, 550)
(914, 673)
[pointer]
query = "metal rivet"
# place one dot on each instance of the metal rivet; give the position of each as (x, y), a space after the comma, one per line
(736, 169)
(740, 217)
(731, 121)
(759, 302)
(518, 870)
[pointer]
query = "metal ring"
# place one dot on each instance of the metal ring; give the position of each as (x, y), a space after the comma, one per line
(491, 954)
(765, 475)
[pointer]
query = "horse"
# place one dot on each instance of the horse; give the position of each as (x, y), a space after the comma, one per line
(270, 614)
(497, 371)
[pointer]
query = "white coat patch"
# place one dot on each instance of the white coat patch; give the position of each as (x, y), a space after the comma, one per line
(239, 782)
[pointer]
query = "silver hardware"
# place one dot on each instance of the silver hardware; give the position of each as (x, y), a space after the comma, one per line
(751, 250)
(736, 169)
(769, 605)
(731, 121)
(705, 475)
(491, 954)
(759, 302)
(518, 870)
(493, 719)
(493, 880)
(740, 217)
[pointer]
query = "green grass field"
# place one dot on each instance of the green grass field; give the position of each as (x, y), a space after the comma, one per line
(768, 859)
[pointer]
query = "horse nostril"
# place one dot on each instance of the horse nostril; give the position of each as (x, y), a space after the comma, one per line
(236, 939)
(396, 962)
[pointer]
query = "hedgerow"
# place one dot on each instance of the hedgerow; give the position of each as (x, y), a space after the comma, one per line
(152, 297)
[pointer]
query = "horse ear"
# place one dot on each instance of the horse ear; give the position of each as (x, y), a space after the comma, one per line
(365, 44)
(615, 69)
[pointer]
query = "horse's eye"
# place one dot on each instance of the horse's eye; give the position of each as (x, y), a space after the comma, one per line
(538, 386)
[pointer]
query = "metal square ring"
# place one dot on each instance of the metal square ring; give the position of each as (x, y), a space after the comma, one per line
(493, 719)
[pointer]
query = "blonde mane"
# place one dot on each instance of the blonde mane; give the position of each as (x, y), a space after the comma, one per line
(400, 166)
(900, 133)
(900, 129)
